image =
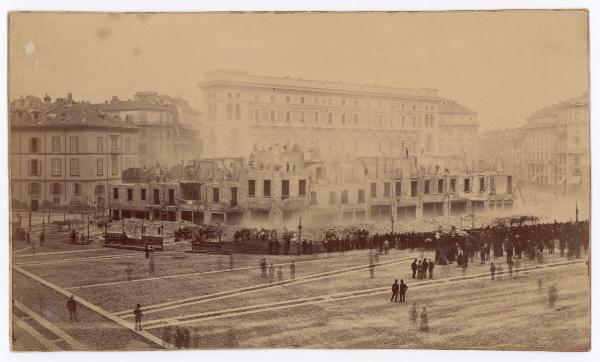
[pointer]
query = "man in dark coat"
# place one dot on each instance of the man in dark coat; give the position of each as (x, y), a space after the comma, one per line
(425, 266)
(414, 268)
(263, 267)
(137, 315)
(403, 288)
(395, 288)
(72, 308)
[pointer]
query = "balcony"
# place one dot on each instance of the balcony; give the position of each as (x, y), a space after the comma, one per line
(115, 150)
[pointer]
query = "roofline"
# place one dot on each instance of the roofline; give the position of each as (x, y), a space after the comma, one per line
(299, 83)
(72, 126)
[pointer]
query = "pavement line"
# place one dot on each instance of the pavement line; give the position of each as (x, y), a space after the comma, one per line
(150, 337)
(57, 252)
(208, 272)
(76, 345)
(205, 316)
(221, 295)
(35, 334)
(60, 261)
(20, 250)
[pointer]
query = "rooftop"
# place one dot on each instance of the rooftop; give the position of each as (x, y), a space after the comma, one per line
(449, 106)
(551, 111)
(242, 77)
(68, 113)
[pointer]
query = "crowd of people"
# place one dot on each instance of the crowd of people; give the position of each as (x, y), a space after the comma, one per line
(462, 247)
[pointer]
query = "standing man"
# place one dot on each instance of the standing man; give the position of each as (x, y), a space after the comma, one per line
(517, 265)
(137, 315)
(147, 251)
(424, 325)
(293, 270)
(128, 271)
(263, 267)
(510, 263)
(431, 265)
(395, 289)
(72, 308)
(372, 269)
(414, 267)
(42, 238)
(230, 261)
(279, 274)
(492, 270)
(424, 266)
(151, 264)
(403, 288)
(271, 273)
(552, 296)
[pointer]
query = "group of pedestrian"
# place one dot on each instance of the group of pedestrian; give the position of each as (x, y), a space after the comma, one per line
(420, 268)
(399, 290)
(422, 320)
(264, 267)
(181, 336)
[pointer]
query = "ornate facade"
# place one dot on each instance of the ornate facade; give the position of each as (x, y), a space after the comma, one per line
(246, 112)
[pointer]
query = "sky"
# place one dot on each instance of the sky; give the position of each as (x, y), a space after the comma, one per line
(502, 64)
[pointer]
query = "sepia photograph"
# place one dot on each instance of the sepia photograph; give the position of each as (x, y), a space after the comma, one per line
(299, 180)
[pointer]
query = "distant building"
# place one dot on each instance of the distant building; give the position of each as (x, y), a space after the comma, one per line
(458, 127)
(246, 112)
(169, 126)
(68, 154)
(556, 146)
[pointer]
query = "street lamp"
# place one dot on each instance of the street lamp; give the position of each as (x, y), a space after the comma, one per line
(392, 221)
(300, 231)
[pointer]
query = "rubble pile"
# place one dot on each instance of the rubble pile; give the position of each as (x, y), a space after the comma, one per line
(133, 227)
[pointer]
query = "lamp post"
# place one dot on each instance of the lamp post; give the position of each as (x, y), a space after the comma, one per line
(392, 221)
(88, 220)
(300, 231)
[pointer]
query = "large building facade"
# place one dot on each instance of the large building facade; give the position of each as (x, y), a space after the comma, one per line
(246, 112)
(68, 154)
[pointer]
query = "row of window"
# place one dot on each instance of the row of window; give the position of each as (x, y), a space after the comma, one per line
(35, 145)
(55, 189)
(35, 166)
(327, 101)
(285, 188)
(156, 198)
(233, 113)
